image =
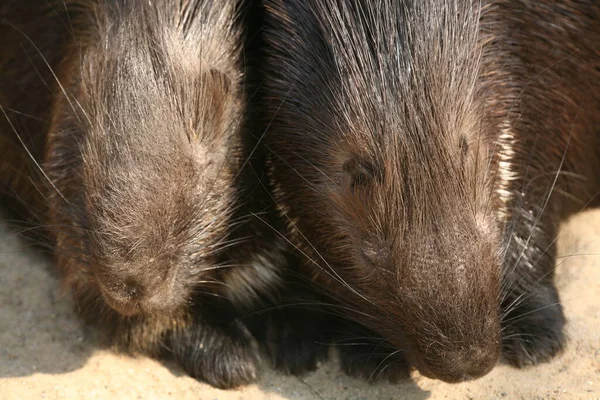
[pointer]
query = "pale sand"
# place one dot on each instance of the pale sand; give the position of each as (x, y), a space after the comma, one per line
(45, 352)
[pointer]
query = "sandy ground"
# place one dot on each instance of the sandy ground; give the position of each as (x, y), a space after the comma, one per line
(45, 352)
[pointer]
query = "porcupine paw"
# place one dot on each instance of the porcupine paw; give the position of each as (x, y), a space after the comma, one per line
(533, 332)
(295, 344)
(224, 357)
(373, 363)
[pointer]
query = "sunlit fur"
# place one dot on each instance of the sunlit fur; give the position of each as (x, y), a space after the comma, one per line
(135, 170)
(404, 159)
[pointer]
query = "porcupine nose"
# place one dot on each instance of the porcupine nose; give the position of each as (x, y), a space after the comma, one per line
(132, 290)
(131, 295)
(464, 365)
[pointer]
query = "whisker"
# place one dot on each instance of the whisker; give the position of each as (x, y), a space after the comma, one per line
(31, 155)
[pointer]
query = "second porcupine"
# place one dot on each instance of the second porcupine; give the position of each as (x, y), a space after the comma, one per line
(423, 154)
(121, 135)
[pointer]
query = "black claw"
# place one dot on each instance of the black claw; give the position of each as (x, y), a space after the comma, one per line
(534, 330)
(370, 362)
(224, 356)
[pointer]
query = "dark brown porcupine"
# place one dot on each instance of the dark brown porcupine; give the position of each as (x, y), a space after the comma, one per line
(122, 135)
(423, 154)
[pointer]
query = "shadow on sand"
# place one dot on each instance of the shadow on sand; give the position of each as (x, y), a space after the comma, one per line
(40, 333)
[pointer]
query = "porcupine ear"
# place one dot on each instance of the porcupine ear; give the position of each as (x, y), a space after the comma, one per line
(217, 91)
(220, 81)
(359, 173)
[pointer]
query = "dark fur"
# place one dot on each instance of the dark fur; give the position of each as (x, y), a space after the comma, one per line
(411, 204)
(134, 113)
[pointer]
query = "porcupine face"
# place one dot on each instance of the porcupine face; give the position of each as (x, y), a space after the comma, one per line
(382, 174)
(139, 151)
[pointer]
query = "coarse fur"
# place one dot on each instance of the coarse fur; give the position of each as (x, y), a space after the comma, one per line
(125, 133)
(422, 154)
(546, 162)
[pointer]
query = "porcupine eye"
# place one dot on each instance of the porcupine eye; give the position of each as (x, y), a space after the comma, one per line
(359, 172)
(463, 145)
